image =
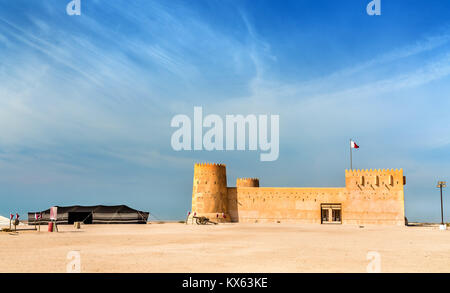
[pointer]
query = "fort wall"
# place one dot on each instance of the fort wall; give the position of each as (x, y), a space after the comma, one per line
(369, 197)
(273, 204)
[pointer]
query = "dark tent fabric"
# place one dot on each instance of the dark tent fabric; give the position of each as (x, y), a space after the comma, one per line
(99, 214)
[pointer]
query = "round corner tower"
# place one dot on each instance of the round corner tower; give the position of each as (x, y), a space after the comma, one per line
(210, 193)
(247, 182)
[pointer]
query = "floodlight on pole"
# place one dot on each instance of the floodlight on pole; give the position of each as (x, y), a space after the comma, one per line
(441, 185)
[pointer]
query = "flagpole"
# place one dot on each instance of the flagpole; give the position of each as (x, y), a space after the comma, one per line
(351, 159)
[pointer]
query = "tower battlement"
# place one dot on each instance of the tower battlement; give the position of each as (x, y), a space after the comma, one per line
(375, 177)
(358, 172)
(247, 182)
(210, 165)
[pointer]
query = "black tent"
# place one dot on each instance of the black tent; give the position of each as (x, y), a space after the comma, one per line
(99, 214)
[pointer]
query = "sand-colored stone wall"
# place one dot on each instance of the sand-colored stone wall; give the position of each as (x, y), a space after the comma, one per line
(209, 192)
(247, 182)
(375, 197)
(369, 197)
(271, 204)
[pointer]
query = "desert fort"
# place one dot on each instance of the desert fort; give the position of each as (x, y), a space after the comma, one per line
(288, 237)
(369, 197)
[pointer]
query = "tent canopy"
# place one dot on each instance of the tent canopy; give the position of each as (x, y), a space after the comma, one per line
(99, 214)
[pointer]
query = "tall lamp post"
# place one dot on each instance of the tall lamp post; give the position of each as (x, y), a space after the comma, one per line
(441, 185)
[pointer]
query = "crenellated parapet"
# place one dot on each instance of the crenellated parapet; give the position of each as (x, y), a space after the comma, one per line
(208, 173)
(378, 171)
(210, 165)
(389, 178)
(247, 182)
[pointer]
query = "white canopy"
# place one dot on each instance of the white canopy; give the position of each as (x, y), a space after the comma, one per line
(4, 221)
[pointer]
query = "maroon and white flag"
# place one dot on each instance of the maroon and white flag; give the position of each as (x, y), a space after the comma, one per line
(11, 216)
(17, 216)
(354, 145)
(53, 213)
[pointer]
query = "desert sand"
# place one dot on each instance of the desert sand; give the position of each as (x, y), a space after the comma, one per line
(175, 247)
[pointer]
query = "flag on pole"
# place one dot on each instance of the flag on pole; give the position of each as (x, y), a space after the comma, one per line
(11, 216)
(354, 145)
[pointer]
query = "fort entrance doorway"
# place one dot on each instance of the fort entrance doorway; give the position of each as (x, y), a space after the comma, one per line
(331, 213)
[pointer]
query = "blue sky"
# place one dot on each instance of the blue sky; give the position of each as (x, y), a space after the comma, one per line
(86, 101)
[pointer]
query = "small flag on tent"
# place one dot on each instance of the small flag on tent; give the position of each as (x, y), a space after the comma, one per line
(11, 216)
(54, 213)
(354, 145)
(17, 216)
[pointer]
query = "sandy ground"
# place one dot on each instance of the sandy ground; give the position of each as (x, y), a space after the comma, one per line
(174, 247)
